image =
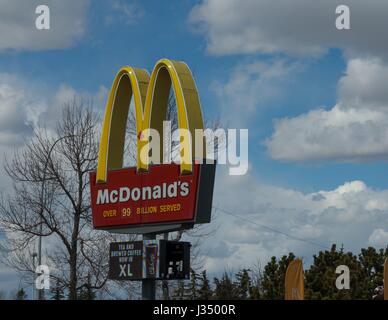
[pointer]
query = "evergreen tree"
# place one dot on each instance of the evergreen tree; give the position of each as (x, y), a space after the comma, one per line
(366, 273)
(225, 289)
(270, 281)
(255, 292)
(193, 285)
(274, 276)
(321, 276)
(372, 268)
(204, 292)
(243, 284)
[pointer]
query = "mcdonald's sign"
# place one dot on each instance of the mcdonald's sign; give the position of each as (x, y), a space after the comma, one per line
(151, 197)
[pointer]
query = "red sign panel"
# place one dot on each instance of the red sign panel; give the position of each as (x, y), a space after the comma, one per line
(161, 195)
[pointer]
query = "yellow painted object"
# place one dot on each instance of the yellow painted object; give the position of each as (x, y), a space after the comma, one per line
(294, 281)
(150, 94)
(386, 279)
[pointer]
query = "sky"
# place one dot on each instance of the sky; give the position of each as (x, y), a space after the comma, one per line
(313, 97)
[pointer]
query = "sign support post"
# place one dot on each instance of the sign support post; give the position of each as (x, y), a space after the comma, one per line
(166, 295)
(148, 285)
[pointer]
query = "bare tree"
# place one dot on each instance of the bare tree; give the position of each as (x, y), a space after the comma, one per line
(51, 200)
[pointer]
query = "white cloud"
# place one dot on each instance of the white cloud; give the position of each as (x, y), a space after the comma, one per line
(355, 129)
(124, 12)
(17, 24)
(379, 238)
(346, 215)
(15, 108)
(298, 27)
(365, 84)
(25, 105)
(65, 94)
(336, 134)
(250, 86)
(20, 106)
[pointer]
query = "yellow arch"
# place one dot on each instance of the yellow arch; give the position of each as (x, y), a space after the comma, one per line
(150, 94)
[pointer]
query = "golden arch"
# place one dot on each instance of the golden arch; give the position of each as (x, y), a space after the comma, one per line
(150, 94)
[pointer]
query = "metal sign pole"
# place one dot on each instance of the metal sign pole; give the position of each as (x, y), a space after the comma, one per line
(165, 288)
(148, 285)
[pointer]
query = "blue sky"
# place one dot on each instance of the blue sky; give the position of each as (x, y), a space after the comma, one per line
(162, 30)
(294, 84)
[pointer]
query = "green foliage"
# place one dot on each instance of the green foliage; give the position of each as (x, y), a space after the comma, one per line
(366, 273)
(205, 292)
(372, 268)
(273, 277)
(193, 285)
(243, 284)
(225, 289)
(321, 276)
